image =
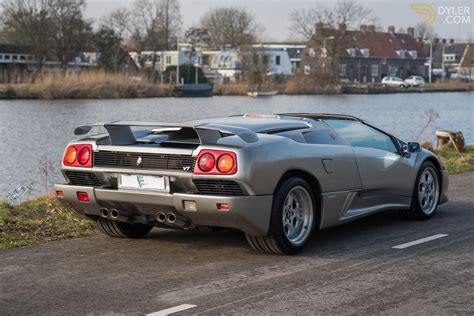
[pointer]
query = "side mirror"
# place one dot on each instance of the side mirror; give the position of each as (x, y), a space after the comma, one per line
(414, 147)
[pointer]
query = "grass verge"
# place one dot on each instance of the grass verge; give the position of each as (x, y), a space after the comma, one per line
(457, 162)
(38, 221)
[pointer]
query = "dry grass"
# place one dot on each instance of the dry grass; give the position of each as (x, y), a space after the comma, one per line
(90, 85)
(306, 85)
(38, 221)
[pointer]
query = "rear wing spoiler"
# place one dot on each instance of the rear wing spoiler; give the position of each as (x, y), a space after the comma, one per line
(121, 133)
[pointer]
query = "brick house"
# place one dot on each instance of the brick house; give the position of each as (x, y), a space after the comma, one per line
(365, 55)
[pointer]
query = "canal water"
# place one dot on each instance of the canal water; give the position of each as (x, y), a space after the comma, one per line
(33, 133)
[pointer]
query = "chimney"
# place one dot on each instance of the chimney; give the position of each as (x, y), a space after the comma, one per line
(371, 28)
(318, 27)
(411, 31)
(342, 26)
(363, 28)
(451, 41)
(436, 40)
(391, 29)
(443, 41)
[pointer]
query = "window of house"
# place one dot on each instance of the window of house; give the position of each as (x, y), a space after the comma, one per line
(307, 69)
(1, 56)
(15, 57)
(7, 57)
(361, 135)
(393, 71)
(168, 60)
(401, 53)
(22, 57)
(312, 52)
(351, 52)
(30, 57)
(277, 60)
(421, 70)
(449, 57)
(414, 54)
(342, 69)
(375, 70)
(365, 52)
(205, 60)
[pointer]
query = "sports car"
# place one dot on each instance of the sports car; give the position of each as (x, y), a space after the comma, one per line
(277, 178)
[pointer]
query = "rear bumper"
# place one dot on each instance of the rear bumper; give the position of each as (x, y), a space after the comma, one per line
(250, 214)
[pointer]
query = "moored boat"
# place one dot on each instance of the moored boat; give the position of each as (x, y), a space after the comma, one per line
(193, 90)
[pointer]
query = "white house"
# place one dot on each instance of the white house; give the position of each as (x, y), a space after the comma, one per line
(163, 59)
(226, 66)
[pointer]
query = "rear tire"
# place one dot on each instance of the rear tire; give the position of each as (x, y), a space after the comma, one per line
(426, 193)
(292, 222)
(121, 229)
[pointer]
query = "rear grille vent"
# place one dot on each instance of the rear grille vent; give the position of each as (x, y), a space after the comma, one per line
(83, 178)
(144, 161)
(218, 187)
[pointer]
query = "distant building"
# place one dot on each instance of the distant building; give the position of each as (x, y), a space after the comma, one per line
(294, 51)
(364, 55)
(453, 60)
(163, 59)
(228, 66)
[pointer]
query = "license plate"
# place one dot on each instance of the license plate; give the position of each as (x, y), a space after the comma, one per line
(142, 182)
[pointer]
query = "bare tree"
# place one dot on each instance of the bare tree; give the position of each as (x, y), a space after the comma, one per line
(230, 26)
(119, 20)
(195, 36)
(424, 31)
(71, 33)
(28, 22)
(170, 21)
(344, 11)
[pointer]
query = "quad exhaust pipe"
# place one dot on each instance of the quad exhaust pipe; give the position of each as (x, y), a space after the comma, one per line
(113, 214)
(172, 219)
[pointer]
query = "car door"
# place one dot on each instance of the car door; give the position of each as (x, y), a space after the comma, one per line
(382, 168)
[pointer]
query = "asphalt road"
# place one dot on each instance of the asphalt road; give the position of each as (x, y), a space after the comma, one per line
(352, 269)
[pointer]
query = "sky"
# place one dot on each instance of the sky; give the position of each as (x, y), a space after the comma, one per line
(274, 15)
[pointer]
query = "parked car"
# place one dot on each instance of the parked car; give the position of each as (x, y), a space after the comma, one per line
(394, 82)
(415, 81)
(277, 178)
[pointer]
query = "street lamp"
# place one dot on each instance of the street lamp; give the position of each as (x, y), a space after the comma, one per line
(324, 50)
(431, 57)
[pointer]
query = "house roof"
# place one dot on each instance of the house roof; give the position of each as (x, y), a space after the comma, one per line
(468, 59)
(380, 44)
(14, 49)
(457, 49)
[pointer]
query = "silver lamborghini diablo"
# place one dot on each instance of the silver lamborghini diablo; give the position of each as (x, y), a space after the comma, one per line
(276, 178)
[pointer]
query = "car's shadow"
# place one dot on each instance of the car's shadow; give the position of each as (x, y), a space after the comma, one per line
(375, 229)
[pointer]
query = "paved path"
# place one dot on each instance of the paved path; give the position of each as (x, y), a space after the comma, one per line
(349, 269)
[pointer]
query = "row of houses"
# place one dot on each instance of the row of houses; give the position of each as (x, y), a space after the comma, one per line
(365, 55)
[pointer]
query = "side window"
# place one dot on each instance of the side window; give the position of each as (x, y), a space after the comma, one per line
(360, 135)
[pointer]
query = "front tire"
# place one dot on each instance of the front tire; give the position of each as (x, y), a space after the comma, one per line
(122, 230)
(293, 219)
(426, 193)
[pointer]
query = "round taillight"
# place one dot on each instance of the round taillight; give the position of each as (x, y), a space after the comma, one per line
(206, 162)
(70, 155)
(83, 155)
(225, 163)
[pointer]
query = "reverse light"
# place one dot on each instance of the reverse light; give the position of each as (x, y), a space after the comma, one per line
(60, 194)
(78, 155)
(83, 197)
(216, 162)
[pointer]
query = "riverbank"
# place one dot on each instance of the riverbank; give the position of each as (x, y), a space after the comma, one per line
(99, 85)
(45, 219)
